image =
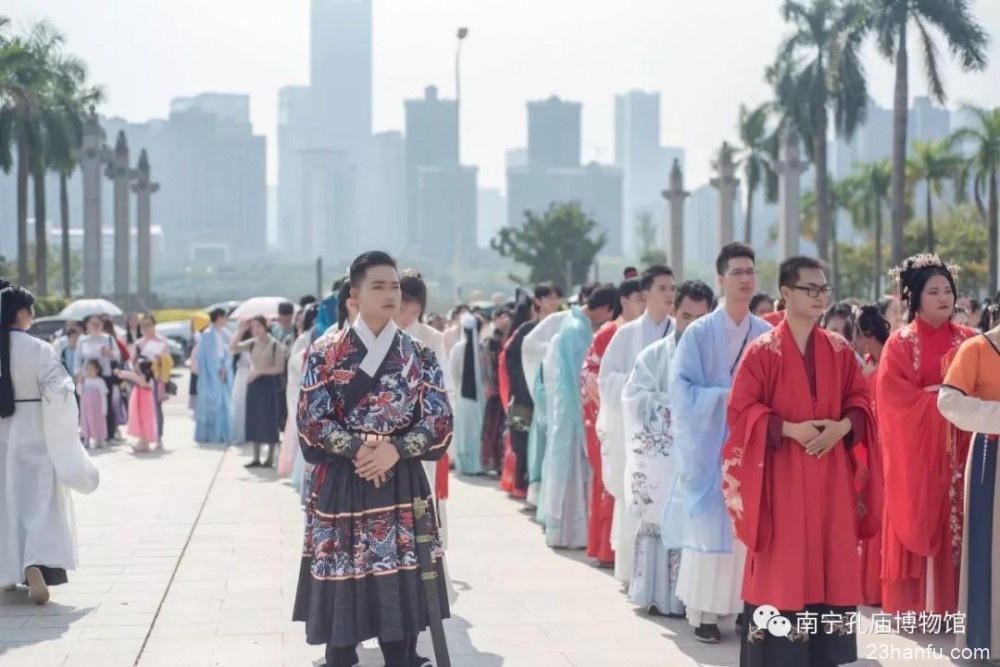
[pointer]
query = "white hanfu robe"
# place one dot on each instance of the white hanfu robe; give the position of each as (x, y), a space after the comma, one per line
(538, 357)
(42, 459)
(434, 339)
(695, 517)
(468, 412)
(649, 473)
(616, 366)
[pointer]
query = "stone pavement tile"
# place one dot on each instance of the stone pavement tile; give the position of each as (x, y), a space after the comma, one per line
(178, 656)
(38, 634)
(115, 632)
(100, 660)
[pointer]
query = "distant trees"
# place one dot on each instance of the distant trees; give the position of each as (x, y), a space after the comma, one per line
(559, 244)
(44, 95)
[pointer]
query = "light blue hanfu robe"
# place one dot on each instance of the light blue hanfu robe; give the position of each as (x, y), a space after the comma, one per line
(695, 517)
(213, 408)
(468, 412)
(538, 360)
(649, 474)
(562, 506)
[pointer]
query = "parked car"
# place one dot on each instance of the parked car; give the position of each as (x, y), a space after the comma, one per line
(46, 328)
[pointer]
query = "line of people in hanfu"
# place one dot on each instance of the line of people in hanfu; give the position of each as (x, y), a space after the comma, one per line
(751, 463)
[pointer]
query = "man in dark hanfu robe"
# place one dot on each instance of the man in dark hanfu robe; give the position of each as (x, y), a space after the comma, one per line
(359, 576)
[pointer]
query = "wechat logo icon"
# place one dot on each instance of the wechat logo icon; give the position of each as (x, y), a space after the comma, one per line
(767, 616)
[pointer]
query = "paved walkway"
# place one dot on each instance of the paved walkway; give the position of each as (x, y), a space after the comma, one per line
(190, 560)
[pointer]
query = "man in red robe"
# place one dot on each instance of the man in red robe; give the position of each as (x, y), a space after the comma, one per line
(602, 503)
(799, 413)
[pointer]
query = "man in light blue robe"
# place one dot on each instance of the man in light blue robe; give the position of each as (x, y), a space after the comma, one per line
(695, 517)
(563, 496)
(213, 408)
(649, 457)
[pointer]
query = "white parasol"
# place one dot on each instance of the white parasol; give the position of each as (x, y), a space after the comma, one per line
(81, 309)
(259, 305)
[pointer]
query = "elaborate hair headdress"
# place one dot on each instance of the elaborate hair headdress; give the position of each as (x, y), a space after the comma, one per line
(411, 273)
(904, 273)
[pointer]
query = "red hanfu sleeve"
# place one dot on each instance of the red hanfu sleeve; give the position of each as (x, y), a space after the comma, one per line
(912, 434)
(745, 454)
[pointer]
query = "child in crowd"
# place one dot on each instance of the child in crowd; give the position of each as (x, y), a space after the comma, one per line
(93, 392)
(142, 423)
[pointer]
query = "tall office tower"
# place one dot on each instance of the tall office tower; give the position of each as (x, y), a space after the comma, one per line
(431, 141)
(554, 134)
(295, 135)
(388, 212)
(340, 74)
(638, 154)
(340, 78)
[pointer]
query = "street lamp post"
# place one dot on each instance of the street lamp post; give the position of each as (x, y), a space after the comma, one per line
(461, 35)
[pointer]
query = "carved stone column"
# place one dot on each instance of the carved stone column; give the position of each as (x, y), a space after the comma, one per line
(144, 188)
(92, 155)
(726, 183)
(676, 196)
(121, 174)
(790, 168)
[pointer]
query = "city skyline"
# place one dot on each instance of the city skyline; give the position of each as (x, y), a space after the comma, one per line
(590, 54)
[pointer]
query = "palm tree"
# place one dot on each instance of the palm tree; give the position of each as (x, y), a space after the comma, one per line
(19, 77)
(756, 160)
(984, 142)
(932, 162)
(891, 21)
(71, 100)
(819, 70)
(877, 177)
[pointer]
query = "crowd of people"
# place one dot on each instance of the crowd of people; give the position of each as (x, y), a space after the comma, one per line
(748, 456)
(766, 462)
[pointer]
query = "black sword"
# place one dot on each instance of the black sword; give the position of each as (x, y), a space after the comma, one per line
(431, 582)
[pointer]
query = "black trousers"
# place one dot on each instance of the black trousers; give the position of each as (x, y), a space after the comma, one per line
(111, 419)
(396, 654)
(519, 443)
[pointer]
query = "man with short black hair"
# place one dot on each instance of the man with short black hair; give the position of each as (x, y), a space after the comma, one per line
(694, 516)
(658, 288)
(562, 505)
(796, 481)
(694, 299)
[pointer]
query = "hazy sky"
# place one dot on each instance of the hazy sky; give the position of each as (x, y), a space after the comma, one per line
(704, 56)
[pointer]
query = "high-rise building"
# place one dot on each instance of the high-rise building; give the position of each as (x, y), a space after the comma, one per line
(492, 215)
(445, 199)
(927, 121)
(638, 154)
(596, 188)
(328, 205)
(516, 157)
(554, 134)
(213, 176)
(388, 215)
(431, 141)
(295, 135)
(340, 74)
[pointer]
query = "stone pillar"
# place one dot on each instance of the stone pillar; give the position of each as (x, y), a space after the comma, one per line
(726, 183)
(790, 168)
(92, 155)
(676, 196)
(120, 173)
(144, 188)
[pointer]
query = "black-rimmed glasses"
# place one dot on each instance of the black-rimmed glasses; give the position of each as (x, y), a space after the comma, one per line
(813, 291)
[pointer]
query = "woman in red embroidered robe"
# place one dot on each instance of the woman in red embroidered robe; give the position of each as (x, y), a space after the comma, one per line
(923, 455)
(798, 410)
(871, 331)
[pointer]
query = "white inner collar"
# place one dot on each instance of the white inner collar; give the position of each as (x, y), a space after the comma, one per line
(377, 347)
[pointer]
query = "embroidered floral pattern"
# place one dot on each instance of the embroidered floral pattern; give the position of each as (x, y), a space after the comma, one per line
(769, 341)
(731, 486)
(909, 334)
(653, 445)
(838, 342)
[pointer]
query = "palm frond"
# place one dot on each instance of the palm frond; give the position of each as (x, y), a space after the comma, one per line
(927, 45)
(967, 39)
